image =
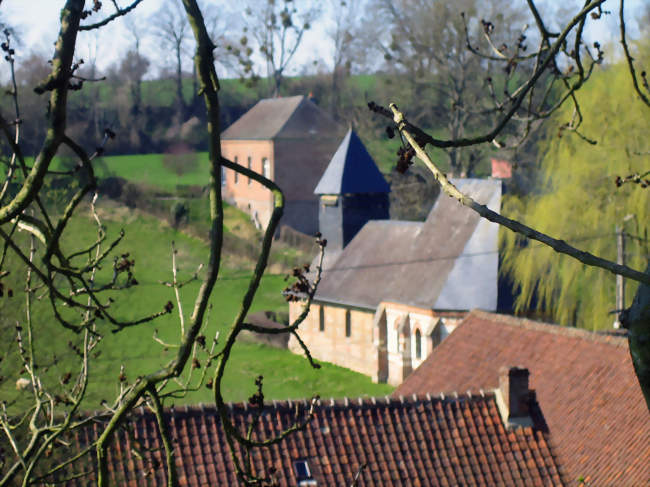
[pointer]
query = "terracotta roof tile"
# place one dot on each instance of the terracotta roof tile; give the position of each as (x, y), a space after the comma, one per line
(431, 441)
(584, 383)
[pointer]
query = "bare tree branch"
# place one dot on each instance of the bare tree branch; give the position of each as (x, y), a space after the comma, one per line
(557, 245)
(118, 13)
(628, 56)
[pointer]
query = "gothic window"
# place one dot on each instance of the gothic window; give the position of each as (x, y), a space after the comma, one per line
(348, 323)
(436, 336)
(418, 344)
(236, 173)
(250, 166)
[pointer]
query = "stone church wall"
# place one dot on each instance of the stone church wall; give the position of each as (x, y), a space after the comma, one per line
(330, 343)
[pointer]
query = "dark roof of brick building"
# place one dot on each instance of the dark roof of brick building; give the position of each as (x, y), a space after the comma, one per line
(584, 382)
(282, 118)
(352, 170)
(433, 441)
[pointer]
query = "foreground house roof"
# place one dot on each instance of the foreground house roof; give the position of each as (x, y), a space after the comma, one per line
(282, 118)
(351, 170)
(584, 382)
(433, 441)
(448, 262)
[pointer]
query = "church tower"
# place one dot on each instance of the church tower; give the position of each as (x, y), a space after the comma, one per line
(352, 191)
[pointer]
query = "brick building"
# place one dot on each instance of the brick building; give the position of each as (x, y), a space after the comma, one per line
(290, 141)
(399, 288)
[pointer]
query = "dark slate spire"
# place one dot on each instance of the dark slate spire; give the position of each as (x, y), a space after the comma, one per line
(352, 192)
(352, 170)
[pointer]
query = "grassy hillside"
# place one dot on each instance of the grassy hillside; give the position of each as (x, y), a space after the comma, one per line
(150, 170)
(148, 242)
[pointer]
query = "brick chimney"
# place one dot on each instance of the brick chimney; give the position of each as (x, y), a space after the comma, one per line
(514, 397)
(501, 169)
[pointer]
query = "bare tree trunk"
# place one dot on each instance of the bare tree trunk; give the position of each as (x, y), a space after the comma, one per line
(181, 107)
(637, 320)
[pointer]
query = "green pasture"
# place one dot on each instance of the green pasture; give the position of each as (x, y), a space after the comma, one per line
(150, 170)
(148, 241)
(143, 169)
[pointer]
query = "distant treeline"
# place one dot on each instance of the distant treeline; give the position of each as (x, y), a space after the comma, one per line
(147, 119)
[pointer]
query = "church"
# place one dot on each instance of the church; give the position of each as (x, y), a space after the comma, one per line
(392, 290)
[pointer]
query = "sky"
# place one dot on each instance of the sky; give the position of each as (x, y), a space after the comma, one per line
(37, 23)
(38, 32)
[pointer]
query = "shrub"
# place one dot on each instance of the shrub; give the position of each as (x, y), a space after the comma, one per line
(179, 214)
(181, 159)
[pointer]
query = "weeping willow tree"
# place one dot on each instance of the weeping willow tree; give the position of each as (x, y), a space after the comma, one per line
(579, 199)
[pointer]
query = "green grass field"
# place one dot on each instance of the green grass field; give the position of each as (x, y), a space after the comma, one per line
(150, 170)
(148, 242)
(143, 169)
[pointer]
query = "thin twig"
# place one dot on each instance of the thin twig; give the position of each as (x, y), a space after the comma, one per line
(110, 18)
(628, 56)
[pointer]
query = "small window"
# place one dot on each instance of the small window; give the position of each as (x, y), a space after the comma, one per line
(329, 200)
(266, 168)
(321, 318)
(236, 173)
(436, 336)
(348, 323)
(250, 167)
(301, 468)
(418, 344)
(223, 176)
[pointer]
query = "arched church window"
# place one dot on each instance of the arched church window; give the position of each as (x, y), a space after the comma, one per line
(348, 323)
(321, 318)
(418, 344)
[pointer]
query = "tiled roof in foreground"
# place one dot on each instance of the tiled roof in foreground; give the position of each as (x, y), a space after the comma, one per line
(432, 441)
(584, 382)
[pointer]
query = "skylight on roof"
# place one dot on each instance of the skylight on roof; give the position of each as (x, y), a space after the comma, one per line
(301, 468)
